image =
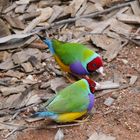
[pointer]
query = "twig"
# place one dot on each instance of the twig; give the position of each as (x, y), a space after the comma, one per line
(121, 88)
(13, 131)
(92, 15)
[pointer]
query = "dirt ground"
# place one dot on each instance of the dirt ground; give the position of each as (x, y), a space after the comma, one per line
(121, 120)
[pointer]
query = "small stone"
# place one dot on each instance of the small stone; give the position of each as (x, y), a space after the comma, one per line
(59, 135)
(109, 101)
(114, 95)
(133, 79)
(124, 61)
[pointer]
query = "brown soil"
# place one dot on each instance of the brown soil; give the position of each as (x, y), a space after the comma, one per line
(121, 120)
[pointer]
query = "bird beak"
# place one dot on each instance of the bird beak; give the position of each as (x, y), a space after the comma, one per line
(101, 71)
(98, 86)
(41, 37)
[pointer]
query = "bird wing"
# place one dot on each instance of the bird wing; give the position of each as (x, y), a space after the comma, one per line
(72, 52)
(74, 98)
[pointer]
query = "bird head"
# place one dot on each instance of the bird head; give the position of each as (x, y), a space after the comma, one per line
(96, 65)
(92, 84)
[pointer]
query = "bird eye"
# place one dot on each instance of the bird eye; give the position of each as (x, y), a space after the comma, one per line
(94, 65)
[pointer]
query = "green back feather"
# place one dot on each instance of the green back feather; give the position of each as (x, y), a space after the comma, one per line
(74, 98)
(72, 52)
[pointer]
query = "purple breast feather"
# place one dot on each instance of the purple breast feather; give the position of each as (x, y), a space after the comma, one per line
(91, 101)
(78, 68)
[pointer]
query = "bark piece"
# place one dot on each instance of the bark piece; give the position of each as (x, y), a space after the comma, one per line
(4, 55)
(45, 14)
(4, 31)
(11, 90)
(57, 11)
(75, 6)
(7, 64)
(132, 19)
(27, 67)
(15, 22)
(16, 74)
(23, 56)
(121, 28)
(112, 46)
(135, 7)
(10, 8)
(57, 82)
(20, 9)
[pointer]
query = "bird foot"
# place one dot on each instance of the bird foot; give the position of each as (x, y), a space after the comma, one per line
(70, 80)
(86, 119)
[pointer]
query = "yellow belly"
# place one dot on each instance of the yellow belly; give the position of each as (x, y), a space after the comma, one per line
(61, 64)
(69, 117)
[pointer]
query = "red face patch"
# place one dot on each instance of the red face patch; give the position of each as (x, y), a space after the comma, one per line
(91, 83)
(95, 64)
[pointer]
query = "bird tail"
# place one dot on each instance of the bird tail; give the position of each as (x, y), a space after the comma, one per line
(43, 114)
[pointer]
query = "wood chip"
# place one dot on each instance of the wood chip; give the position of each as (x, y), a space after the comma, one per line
(57, 82)
(20, 2)
(45, 14)
(31, 98)
(4, 30)
(112, 46)
(82, 9)
(108, 85)
(20, 9)
(101, 136)
(11, 90)
(15, 22)
(29, 16)
(27, 67)
(75, 6)
(4, 55)
(14, 73)
(7, 64)
(121, 28)
(135, 7)
(13, 101)
(10, 8)
(4, 4)
(23, 56)
(132, 19)
(57, 10)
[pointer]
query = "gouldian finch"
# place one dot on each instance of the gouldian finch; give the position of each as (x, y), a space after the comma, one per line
(74, 58)
(70, 103)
